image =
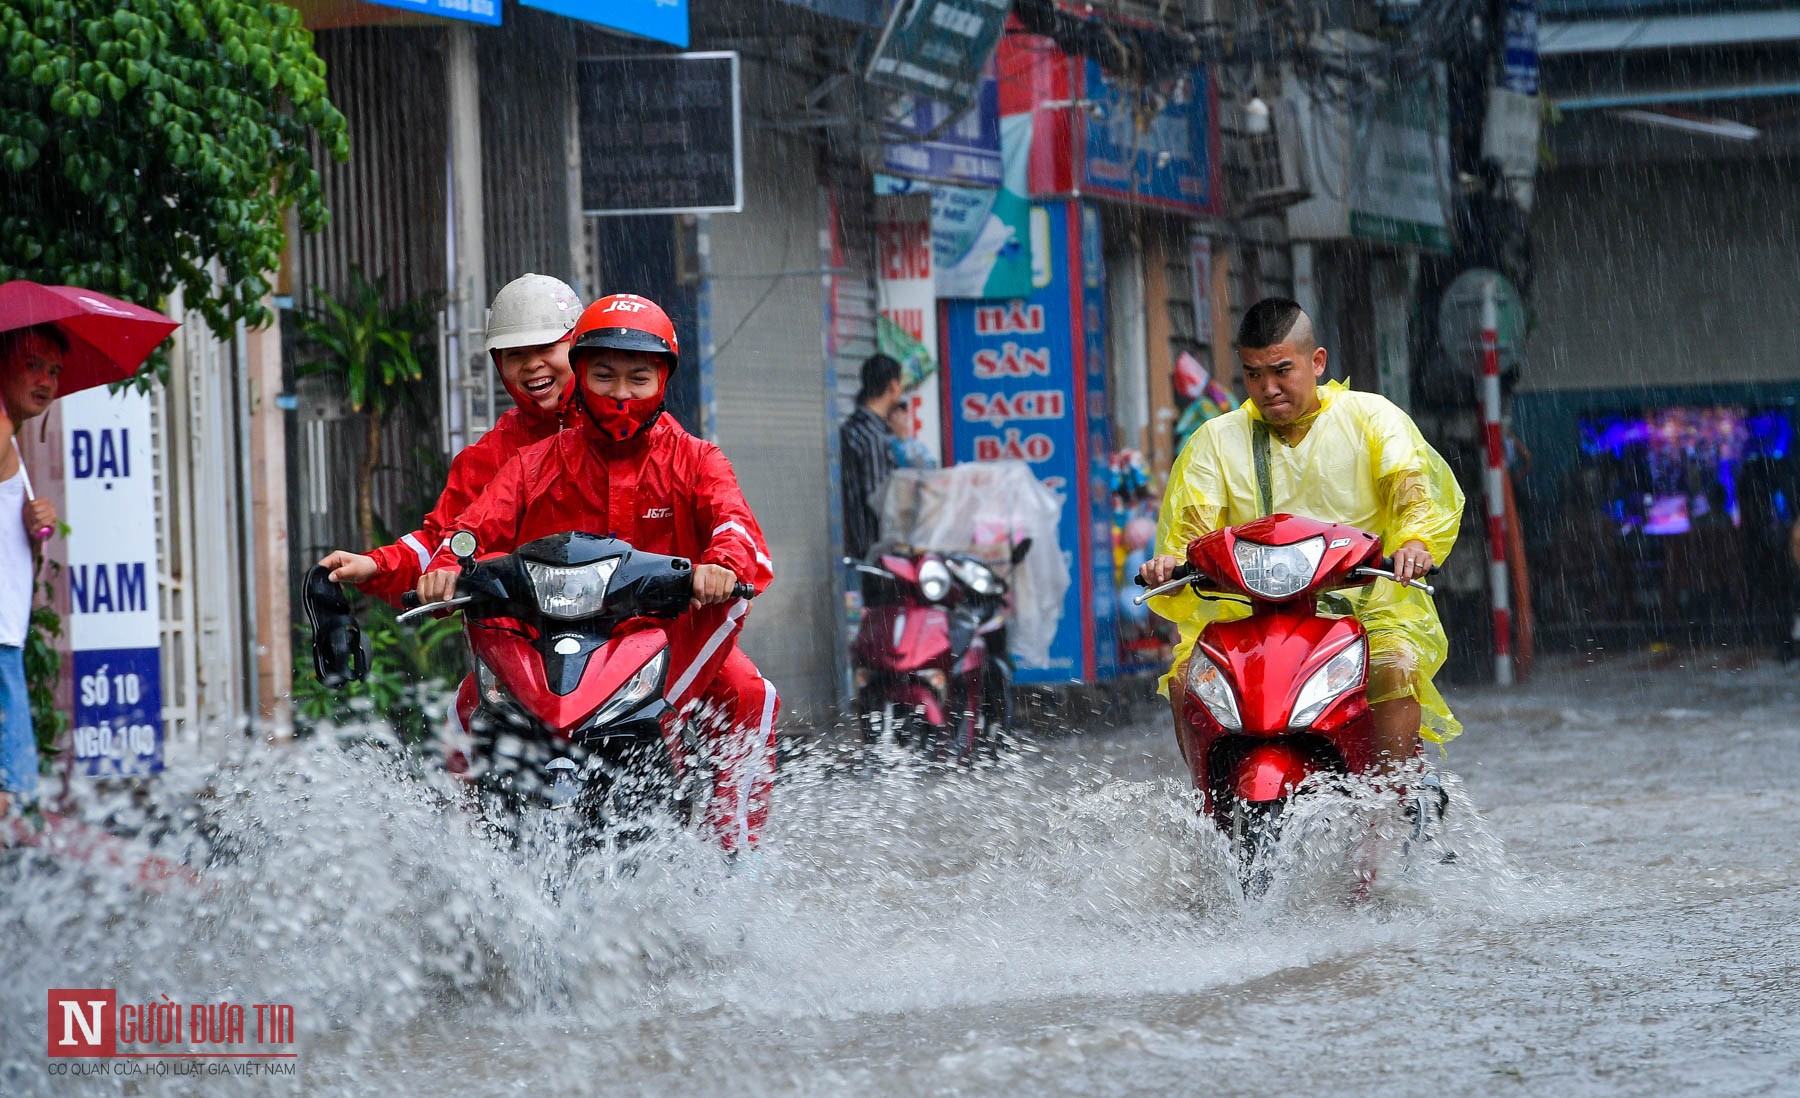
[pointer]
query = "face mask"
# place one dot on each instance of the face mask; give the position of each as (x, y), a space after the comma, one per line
(617, 420)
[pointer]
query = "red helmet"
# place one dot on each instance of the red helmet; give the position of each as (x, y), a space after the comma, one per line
(626, 322)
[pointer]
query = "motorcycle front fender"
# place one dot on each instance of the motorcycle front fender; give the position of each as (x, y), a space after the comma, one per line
(1269, 772)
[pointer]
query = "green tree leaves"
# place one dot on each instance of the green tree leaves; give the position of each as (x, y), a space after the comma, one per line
(140, 139)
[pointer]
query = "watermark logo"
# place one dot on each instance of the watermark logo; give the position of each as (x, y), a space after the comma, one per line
(164, 1037)
(83, 1021)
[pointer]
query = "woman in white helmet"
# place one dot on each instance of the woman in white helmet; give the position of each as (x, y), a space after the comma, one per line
(530, 327)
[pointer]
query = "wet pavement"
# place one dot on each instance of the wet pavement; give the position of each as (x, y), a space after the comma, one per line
(1621, 919)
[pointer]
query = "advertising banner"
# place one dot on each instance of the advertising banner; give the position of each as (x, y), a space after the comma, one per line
(965, 152)
(115, 632)
(1115, 146)
(937, 48)
(906, 303)
(1025, 379)
(1168, 159)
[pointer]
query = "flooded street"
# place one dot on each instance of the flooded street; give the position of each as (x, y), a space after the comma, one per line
(1620, 919)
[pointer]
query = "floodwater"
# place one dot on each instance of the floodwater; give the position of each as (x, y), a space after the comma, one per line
(1622, 917)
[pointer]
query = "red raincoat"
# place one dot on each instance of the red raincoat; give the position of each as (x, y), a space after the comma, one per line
(401, 563)
(663, 491)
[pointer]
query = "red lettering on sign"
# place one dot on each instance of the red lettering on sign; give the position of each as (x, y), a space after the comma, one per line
(1009, 445)
(904, 250)
(998, 408)
(1012, 360)
(910, 321)
(1013, 317)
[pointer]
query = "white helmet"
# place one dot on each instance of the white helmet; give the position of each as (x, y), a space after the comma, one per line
(530, 311)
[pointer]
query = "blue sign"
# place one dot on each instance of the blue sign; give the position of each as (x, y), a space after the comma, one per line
(472, 11)
(118, 712)
(1165, 160)
(870, 13)
(1519, 62)
(966, 152)
(660, 20)
(1023, 381)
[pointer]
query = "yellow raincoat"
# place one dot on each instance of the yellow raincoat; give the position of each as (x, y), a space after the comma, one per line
(1362, 462)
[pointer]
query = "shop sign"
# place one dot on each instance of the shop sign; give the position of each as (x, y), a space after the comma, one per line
(1166, 159)
(1382, 175)
(980, 242)
(963, 151)
(1096, 141)
(486, 12)
(658, 20)
(1200, 270)
(115, 631)
(661, 134)
(1025, 379)
(1519, 58)
(937, 48)
(906, 302)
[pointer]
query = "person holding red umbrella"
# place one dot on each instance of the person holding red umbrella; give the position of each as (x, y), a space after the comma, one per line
(31, 362)
(54, 341)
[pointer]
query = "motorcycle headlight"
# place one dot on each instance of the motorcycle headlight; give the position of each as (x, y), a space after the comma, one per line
(1206, 682)
(1328, 683)
(1278, 571)
(975, 576)
(934, 580)
(637, 690)
(570, 594)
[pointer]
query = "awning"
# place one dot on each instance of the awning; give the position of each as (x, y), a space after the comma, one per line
(1667, 32)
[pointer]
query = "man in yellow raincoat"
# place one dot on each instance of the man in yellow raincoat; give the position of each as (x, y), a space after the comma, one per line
(1336, 455)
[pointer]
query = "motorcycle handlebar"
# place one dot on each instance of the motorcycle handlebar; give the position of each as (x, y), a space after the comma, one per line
(743, 591)
(409, 600)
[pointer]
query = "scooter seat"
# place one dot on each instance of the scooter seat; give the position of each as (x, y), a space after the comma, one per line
(338, 654)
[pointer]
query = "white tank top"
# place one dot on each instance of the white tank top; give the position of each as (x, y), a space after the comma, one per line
(15, 562)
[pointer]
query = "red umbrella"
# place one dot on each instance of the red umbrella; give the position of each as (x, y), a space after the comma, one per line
(108, 338)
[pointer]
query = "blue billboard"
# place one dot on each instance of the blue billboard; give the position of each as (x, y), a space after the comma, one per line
(1025, 379)
(472, 11)
(1166, 159)
(658, 20)
(964, 152)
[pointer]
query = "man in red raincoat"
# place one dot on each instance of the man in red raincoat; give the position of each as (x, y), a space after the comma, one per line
(529, 328)
(627, 470)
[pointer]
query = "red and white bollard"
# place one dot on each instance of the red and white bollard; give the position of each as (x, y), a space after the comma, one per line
(1498, 577)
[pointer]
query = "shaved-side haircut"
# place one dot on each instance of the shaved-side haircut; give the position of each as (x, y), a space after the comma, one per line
(1275, 320)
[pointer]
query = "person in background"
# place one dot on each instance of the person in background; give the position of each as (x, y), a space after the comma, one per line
(30, 370)
(866, 451)
(909, 452)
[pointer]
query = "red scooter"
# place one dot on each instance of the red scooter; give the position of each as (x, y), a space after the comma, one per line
(570, 669)
(1274, 698)
(930, 658)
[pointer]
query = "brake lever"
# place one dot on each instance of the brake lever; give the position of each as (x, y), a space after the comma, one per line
(1367, 571)
(421, 611)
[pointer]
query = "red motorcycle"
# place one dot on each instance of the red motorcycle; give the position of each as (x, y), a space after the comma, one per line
(1279, 696)
(570, 670)
(930, 659)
